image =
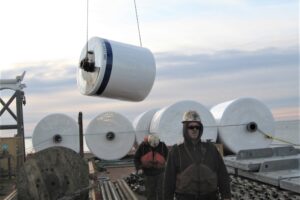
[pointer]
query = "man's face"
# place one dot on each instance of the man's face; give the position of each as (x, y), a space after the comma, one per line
(193, 130)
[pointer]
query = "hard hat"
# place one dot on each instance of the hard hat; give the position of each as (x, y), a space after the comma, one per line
(153, 140)
(191, 116)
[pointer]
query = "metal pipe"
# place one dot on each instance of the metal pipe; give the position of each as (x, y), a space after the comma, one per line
(106, 187)
(127, 195)
(119, 191)
(8, 81)
(11, 196)
(103, 192)
(129, 190)
(4, 127)
(113, 191)
(81, 150)
(20, 122)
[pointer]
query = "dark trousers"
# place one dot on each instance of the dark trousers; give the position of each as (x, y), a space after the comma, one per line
(211, 196)
(153, 186)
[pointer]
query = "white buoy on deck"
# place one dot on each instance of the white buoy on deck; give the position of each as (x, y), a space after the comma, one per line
(244, 123)
(142, 124)
(56, 130)
(167, 122)
(110, 136)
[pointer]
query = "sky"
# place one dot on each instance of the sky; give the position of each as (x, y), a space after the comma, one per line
(207, 51)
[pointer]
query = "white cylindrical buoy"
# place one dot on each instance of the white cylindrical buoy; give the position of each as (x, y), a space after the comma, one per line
(115, 70)
(142, 123)
(110, 136)
(244, 123)
(167, 122)
(56, 130)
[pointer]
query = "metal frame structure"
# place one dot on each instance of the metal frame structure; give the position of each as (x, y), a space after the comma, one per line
(277, 166)
(17, 86)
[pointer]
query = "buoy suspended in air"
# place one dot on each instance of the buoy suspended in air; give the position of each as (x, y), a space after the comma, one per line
(243, 124)
(115, 70)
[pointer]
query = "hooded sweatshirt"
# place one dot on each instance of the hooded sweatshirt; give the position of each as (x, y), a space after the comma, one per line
(180, 159)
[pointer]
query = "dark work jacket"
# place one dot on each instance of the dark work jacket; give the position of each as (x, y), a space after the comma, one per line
(211, 158)
(143, 149)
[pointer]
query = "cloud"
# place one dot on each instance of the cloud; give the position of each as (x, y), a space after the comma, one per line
(225, 61)
(289, 113)
(236, 72)
(221, 26)
(270, 75)
(45, 76)
(171, 26)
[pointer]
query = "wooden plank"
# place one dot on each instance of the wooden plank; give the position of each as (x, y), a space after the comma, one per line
(92, 192)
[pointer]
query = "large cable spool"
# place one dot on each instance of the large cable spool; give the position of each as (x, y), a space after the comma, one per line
(167, 122)
(115, 70)
(244, 123)
(110, 136)
(142, 124)
(53, 173)
(56, 130)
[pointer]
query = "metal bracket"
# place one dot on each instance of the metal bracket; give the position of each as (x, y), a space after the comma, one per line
(13, 84)
(266, 152)
(276, 165)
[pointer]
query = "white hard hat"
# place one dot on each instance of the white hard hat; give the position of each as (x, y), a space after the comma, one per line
(153, 140)
(191, 116)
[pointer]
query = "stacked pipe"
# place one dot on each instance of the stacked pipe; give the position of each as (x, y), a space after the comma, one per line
(119, 190)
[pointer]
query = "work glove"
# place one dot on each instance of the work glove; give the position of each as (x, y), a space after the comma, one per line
(137, 172)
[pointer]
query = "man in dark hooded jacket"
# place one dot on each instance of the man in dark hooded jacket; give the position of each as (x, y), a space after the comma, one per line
(195, 170)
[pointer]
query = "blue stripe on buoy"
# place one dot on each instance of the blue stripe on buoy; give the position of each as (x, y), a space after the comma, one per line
(108, 68)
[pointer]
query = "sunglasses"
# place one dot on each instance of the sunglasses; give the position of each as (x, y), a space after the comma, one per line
(194, 127)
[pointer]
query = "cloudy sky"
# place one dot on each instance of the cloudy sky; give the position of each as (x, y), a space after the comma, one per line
(207, 51)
